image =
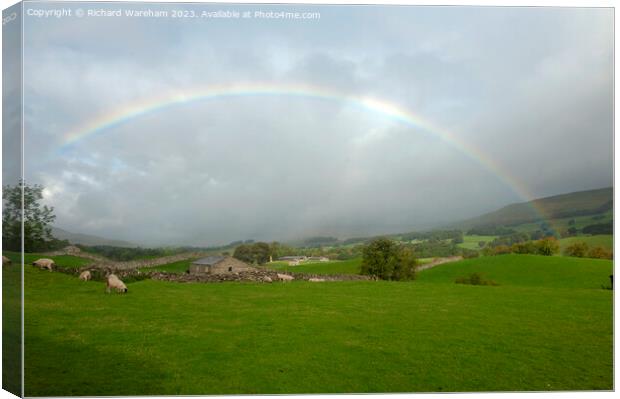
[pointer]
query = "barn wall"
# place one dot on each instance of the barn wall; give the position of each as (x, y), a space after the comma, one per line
(236, 265)
(198, 269)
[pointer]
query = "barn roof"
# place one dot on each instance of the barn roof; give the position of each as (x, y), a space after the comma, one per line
(209, 260)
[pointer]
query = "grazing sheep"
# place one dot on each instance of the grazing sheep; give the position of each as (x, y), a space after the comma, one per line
(267, 279)
(85, 275)
(316, 280)
(44, 264)
(113, 282)
(5, 261)
(285, 277)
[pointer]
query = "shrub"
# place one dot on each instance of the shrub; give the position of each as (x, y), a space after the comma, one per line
(600, 253)
(502, 250)
(475, 279)
(469, 253)
(578, 249)
(528, 247)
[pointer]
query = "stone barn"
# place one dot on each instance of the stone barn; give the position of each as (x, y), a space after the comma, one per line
(218, 265)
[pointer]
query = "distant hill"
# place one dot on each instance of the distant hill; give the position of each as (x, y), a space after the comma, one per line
(579, 203)
(87, 239)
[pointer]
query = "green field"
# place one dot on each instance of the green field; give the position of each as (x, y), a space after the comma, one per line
(471, 241)
(547, 326)
(64, 261)
(605, 241)
(351, 266)
(534, 271)
(11, 328)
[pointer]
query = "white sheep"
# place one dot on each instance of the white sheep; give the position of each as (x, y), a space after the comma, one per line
(44, 263)
(113, 282)
(285, 277)
(85, 275)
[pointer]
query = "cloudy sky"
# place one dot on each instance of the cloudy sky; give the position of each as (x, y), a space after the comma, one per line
(527, 90)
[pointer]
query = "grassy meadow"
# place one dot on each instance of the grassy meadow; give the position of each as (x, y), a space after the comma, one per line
(546, 326)
(604, 240)
(63, 261)
(471, 241)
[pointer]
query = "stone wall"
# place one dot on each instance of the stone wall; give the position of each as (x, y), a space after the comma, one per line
(129, 271)
(100, 262)
(136, 264)
(251, 276)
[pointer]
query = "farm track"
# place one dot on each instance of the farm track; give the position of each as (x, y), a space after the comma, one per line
(439, 261)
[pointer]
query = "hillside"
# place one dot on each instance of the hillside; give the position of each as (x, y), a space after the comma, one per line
(579, 203)
(87, 239)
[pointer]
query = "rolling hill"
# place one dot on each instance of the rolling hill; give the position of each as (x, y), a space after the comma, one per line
(579, 203)
(87, 239)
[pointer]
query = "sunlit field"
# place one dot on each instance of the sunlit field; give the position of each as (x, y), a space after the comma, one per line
(546, 326)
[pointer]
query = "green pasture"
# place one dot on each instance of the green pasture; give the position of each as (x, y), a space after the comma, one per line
(605, 241)
(471, 241)
(11, 327)
(547, 326)
(64, 261)
(527, 271)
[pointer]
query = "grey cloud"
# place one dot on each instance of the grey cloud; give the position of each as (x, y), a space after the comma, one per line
(516, 84)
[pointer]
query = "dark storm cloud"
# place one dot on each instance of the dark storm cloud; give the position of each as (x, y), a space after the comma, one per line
(531, 88)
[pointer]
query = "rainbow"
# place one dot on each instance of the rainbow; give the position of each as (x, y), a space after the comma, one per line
(386, 109)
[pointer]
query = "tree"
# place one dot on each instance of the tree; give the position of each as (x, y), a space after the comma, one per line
(244, 253)
(458, 238)
(547, 246)
(253, 253)
(386, 260)
(37, 219)
(601, 228)
(261, 251)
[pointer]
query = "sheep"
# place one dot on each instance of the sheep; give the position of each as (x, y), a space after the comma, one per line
(5, 261)
(267, 279)
(85, 275)
(285, 277)
(316, 280)
(44, 263)
(113, 282)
